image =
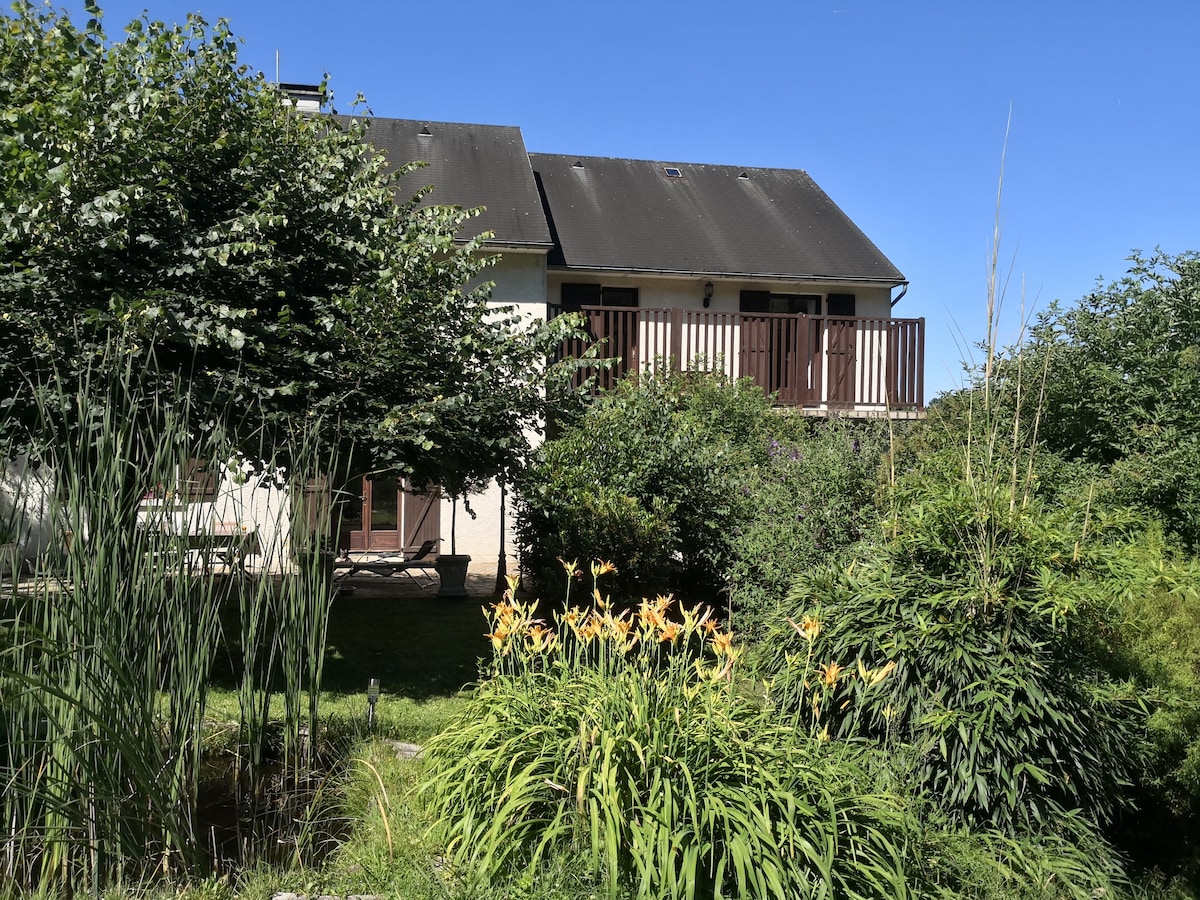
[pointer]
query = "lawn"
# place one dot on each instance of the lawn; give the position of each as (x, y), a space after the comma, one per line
(423, 650)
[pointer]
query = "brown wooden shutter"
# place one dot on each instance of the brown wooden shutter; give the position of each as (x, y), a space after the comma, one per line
(422, 519)
(200, 481)
(312, 516)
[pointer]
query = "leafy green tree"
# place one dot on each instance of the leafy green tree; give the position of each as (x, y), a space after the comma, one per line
(1122, 385)
(155, 192)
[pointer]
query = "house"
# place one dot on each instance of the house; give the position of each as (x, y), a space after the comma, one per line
(754, 271)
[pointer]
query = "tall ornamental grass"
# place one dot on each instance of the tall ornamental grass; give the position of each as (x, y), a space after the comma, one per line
(623, 742)
(106, 656)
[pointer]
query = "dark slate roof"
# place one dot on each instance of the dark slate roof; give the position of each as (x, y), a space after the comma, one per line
(470, 166)
(628, 215)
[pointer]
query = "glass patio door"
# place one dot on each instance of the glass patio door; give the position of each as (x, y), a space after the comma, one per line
(389, 518)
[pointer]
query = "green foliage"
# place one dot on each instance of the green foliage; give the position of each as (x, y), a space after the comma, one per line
(985, 598)
(807, 505)
(1066, 862)
(153, 186)
(1153, 638)
(388, 852)
(1122, 385)
(697, 483)
(619, 742)
(650, 474)
(104, 670)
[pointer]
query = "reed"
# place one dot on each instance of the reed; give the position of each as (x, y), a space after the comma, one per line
(106, 657)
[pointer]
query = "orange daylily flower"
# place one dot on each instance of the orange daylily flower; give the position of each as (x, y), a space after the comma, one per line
(540, 637)
(498, 637)
(602, 567)
(620, 625)
(591, 628)
(872, 677)
(809, 627)
(831, 673)
(722, 643)
(649, 616)
(879, 674)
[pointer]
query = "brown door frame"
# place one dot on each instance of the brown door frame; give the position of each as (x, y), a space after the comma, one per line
(418, 518)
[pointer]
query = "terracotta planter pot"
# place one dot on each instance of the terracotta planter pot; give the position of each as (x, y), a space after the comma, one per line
(452, 572)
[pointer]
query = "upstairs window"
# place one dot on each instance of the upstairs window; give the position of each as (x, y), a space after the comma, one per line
(788, 304)
(576, 296)
(840, 304)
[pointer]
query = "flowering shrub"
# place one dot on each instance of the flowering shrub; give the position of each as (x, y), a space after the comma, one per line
(626, 741)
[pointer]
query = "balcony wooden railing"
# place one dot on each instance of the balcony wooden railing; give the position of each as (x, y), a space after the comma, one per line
(823, 362)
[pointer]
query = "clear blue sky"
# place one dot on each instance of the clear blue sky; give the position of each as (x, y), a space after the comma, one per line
(897, 109)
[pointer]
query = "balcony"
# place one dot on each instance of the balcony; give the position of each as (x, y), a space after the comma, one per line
(822, 364)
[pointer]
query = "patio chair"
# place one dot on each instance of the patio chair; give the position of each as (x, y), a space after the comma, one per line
(418, 562)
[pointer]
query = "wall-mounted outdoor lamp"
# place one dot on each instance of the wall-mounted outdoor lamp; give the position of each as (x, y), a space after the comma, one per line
(708, 292)
(372, 699)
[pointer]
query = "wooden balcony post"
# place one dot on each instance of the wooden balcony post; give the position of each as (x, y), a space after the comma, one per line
(919, 364)
(677, 339)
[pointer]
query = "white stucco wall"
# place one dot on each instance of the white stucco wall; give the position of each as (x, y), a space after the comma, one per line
(258, 505)
(520, 281)
(26, 505)
(239, 504)
(479, 538)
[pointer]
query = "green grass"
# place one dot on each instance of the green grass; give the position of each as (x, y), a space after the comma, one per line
(424, 651)
(417, 648)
